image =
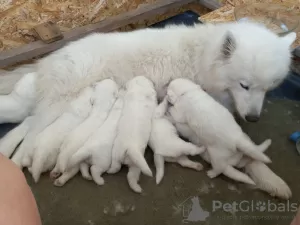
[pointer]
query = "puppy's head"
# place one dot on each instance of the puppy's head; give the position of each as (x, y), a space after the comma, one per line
(139, 82)
(106, 86)
(253, 60)
(179, 87)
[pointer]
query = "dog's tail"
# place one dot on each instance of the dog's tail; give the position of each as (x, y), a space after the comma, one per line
(237, 175)
(159, 163)
(81, 155)
(8, 79)
(138, 159)
(246, 146)
(13, 138)
(266, 180)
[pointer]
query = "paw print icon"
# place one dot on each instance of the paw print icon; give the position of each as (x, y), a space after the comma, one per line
(261, 206)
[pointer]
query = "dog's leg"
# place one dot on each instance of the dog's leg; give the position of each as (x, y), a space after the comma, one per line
(16, 106)
(114, 167)
(184, 161)
(96, 172)
(216, 161)
(12, 139)
(237, 175)
(159, 163)
(246, 146)
(133, 177)
(84, 169)
(55, 173)
(266, 180)
(66, 176)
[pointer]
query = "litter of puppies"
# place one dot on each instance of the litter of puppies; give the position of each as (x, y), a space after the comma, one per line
(107, 126)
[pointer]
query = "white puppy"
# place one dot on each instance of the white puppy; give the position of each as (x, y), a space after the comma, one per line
(168, 146)
(134, 130)
(213, 124)
(49, 141)
(97, 149)
(105, 95)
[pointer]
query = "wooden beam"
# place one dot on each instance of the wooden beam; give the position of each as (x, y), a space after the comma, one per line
(39, 48)
(210, 4)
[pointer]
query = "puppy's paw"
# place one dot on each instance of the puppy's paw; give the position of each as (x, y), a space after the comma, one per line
(198, 167)
(136, 188)
(87, 176)
(54, 175)
(211, 174)
(58, 183)
(99, 181)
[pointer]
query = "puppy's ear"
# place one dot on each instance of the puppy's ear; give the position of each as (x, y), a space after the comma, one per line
(171, 97)
(228, 46)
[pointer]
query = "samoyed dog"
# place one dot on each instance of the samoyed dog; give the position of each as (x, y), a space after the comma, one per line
(236, 63)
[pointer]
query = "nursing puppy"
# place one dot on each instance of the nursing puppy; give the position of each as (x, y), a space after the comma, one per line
(97, 150)
(213, 124)
(134, 130)
(49, 141)
(264, 178)
(105, 95)
(168, 146)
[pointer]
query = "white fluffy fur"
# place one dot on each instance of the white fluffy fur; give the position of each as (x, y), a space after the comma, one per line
(168, 146)
(97, 150)
(48, 142)
(200, 53)
(134, 130)
(213, 124)
(105, 95)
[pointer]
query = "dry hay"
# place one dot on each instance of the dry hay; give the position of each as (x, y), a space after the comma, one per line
(226, 13)
(18, 17)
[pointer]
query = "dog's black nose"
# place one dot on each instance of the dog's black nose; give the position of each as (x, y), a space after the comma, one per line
(252, 118)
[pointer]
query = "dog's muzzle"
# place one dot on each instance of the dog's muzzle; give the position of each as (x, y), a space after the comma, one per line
(252, 118)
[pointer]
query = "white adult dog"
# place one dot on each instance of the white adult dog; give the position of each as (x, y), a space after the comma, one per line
(134, 130)
(234, 62)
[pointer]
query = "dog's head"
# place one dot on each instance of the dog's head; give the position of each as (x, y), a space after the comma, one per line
(253, 60)
(178, 87)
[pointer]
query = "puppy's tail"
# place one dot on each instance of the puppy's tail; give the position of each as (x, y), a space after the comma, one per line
(246, 146)
(12, 139)
(160, 167)
(237, 175)
(8, 79)
(266, 180)
(138, 159)
(81, 155)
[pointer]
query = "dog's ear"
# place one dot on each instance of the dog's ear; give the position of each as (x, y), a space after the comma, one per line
(228, 46)
(289, 38)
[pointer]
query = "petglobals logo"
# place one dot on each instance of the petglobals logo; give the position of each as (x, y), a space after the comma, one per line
(254, 206)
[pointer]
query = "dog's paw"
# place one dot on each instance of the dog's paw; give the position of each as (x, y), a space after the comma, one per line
(54, 175)
(136, 188)
(99, 181)
(199, 167)
(211, 174)
(87, 176)
(58, 183)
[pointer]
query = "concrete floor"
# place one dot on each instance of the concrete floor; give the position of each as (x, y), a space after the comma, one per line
(82, 202)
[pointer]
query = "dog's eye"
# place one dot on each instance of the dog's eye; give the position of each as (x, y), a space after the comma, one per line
(244, 86)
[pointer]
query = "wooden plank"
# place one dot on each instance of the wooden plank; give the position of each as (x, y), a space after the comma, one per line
(39, 48)
(210, 4)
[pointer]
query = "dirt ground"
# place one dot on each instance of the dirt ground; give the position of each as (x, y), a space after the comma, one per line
(82, 202)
